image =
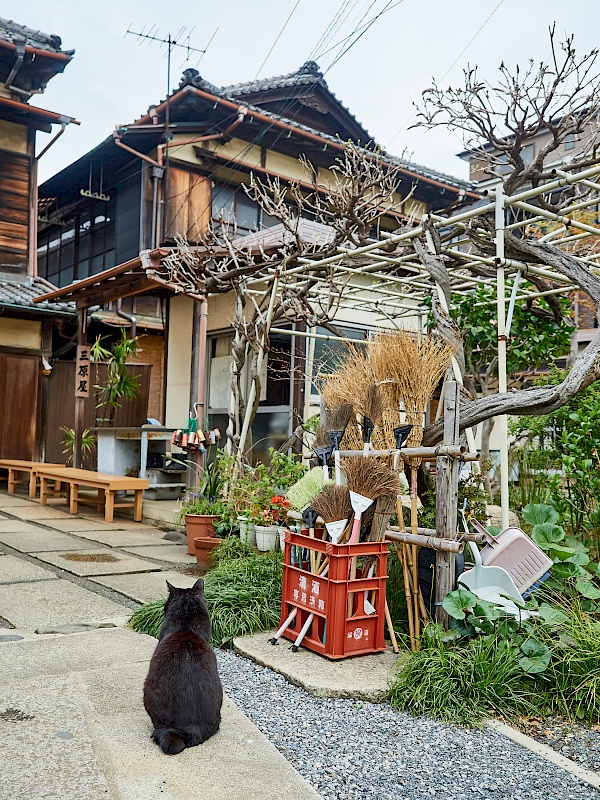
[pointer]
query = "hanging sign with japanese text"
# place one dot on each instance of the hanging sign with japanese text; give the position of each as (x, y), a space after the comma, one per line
(82, 372)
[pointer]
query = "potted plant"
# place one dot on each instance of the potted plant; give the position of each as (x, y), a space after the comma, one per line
(203, 507)
(267, 521)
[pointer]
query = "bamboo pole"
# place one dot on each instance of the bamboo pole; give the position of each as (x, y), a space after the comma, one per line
(502, 421)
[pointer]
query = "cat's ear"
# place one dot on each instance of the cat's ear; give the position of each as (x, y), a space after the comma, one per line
(199, 585)
(170, 588)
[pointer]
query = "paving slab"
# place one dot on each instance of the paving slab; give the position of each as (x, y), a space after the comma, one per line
(49, 753)
(147, 586)
(96, 562)
(40, 540)
(58, 602)
(17, 570)
(12, 500)
(57, 655)
(17, 526)
(362, 677)
(35, 511)
(122, 523)
(174, 553)
(114, 538)
(238, 763)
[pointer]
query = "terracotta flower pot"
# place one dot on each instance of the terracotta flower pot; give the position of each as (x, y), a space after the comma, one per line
(199, 525)
(204, 545)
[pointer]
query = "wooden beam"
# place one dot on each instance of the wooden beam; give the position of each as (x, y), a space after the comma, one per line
(446, 500)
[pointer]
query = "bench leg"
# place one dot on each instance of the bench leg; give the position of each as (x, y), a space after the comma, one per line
(43, 491)
(137, 507)
(100, 504)
(109, 505)
(12, 480)
(73, 497)
(57, 488)
(32, 484)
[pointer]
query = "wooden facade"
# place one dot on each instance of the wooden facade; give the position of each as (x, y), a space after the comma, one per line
(15, 188)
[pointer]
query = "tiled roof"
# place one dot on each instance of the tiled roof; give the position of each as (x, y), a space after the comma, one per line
(13, 32)
(18, 291)
(192, 78)
(309, 74)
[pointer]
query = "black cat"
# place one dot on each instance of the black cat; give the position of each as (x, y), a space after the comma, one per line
(182, 692)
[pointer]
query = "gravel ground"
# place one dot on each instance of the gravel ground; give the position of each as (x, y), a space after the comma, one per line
(355, 750)
(581, 743)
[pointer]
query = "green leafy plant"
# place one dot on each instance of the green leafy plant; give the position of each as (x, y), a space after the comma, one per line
(566, 445)
(119, 383)
(242, 591)
(573, 572)
(88, 442)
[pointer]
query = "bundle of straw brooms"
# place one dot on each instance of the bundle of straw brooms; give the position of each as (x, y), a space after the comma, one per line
(389, 383)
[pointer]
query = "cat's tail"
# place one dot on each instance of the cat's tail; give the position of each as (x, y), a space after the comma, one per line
(169, 740)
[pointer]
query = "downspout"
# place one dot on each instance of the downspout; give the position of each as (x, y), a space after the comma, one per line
(19, 57)
(130, 317)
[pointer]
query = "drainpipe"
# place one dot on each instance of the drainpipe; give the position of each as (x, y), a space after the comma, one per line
(20, 55)
(129, 317)
(158, 168)
(242, 111)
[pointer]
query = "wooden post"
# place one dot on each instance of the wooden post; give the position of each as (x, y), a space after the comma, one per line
(82, 387)
(446, 501)
(197, 384)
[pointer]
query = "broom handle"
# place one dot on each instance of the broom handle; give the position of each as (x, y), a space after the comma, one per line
(285, 626)
(355, 535)
(312, 554)
(390, 628)
(400, 552)
(338, 472)
(414, 524)
(304, 631)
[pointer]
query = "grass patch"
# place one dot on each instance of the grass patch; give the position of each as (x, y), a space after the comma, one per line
(463, 684)
(242, 590)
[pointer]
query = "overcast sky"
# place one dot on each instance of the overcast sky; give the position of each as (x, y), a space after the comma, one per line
(113, 79)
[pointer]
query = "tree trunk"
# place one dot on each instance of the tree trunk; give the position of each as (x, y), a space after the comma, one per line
(486, 433)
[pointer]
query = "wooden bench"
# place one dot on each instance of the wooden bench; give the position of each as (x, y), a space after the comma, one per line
(106, 485)
(17, 467)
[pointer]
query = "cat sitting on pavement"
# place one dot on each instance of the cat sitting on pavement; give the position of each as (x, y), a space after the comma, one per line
(182, 692)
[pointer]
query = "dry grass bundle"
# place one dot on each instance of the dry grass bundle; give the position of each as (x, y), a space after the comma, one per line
(322, 445)
(384, 510)
(350, 378)
(370, 477)
(415, 367)
(333, 503)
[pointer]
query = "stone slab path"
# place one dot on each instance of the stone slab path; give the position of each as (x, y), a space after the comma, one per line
(72, 723)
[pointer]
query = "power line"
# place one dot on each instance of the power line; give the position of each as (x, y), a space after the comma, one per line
(285, 24)
(458, 57)
(354, 41)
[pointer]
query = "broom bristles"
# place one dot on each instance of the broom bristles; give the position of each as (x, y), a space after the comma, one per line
(373, 405)
(321, 438)
(302, 492)
(338, 417)
(333, 503)
(369, 477)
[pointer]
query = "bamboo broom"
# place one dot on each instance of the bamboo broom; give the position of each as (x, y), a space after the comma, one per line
(368, 479)
(416, 368)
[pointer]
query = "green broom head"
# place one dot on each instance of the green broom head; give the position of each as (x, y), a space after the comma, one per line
(310, 485)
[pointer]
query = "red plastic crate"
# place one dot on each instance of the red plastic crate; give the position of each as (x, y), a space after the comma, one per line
(333, 633)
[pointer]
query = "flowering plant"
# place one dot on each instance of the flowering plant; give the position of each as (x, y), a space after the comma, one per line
(273, 512)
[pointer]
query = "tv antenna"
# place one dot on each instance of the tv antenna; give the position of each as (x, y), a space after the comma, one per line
(181, 40)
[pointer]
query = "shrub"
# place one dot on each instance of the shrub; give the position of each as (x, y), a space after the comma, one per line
(243, 594)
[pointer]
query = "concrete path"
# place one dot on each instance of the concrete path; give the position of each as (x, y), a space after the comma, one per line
(72, 723)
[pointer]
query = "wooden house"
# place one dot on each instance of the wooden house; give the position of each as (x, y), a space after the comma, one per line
(147, 183)
(28, 332)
